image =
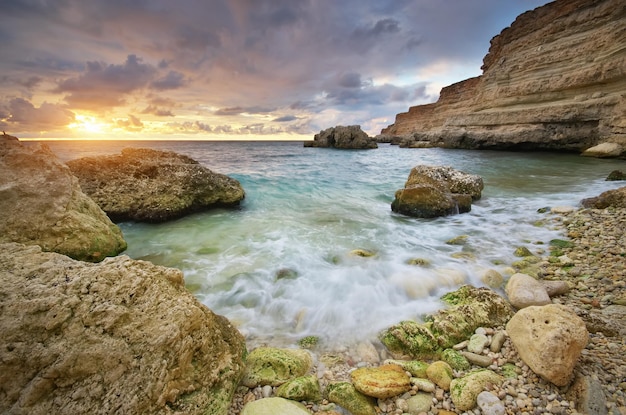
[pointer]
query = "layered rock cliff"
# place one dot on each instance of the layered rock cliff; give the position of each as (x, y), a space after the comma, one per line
(554, 80)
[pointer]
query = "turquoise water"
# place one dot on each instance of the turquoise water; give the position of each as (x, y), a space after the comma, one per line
(280, 266)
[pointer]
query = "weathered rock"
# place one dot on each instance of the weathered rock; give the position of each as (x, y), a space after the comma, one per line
(610, 198)
(490, 404)
(274, 406)
(492, 278)
(381, 382)
(441, 374)
(553, 80)
(345, 395)
(273, 366)
(414, 367)
(555, 288)
(477, 359)
(497, 341)
(420, 403)
(523, 291)
(465, 390)
(153, 186)
(604, 150)
(588, 395)
(469, 308)
(432, 191)
(41, 203)
(425, 385)
(477, 343)
(343, 137)
(549, 339)
(616, 175)
(304, 388)
(120, 336)
(455, 359)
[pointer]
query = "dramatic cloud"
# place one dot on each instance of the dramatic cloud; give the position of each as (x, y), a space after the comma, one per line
(19, 112)
(239, 66)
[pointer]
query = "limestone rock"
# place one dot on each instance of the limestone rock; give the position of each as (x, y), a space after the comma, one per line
(41, 203)
(465, 390)
(274, 406)
(524, 291)
(120, 336)
(345, 395)
(153, 186)
(432, 191)
(414, 367)
(420, 403)
(553, 80)
(274, 366)
(441, 374)
(589, 396)
(611, 198)
(492, 278)
(555, 288)
(304, 388)
(381, 382)
(549, 339)
(343, 137)
(490, 404)
(604, 150)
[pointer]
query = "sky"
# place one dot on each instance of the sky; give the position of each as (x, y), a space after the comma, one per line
(233, 69)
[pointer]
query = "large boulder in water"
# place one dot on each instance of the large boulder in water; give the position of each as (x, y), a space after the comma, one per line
(41, 203)
(121, 336)
(611, 198)
(344, 137)
(433, 191)
(153, 186)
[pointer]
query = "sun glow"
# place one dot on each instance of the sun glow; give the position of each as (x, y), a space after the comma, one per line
(88, 124)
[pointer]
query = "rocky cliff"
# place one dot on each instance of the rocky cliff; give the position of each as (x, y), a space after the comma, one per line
(554, 80)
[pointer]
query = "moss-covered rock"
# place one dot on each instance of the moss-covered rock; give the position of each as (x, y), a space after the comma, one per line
(273, 366)
(441, 374)
(345, 395)
(458, 240)
(455, 359)
(308, 342)
(304, 388)
(418, 261)
(381, 382)
(465, 390)
(416, 368)
(363, 253)
(522, 252)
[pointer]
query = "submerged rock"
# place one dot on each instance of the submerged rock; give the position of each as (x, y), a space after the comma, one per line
(153, 186)
(121, 336)
(343, 137)
(41, 203)
(274, 366)
(611, 198)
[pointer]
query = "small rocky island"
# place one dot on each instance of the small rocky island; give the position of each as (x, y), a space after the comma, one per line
(343, 137)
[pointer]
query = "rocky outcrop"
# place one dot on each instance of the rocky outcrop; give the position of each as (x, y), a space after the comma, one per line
(121, 336)
(153, 186)
(350, 137)
(433, 191)
(611, 198)
(41, 203)
(553, 80)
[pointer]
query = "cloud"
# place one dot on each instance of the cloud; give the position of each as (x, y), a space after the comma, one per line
(19, 113)
(285, 118)
(159, 112)
(132, 123)
(243, 110)
(173, 80)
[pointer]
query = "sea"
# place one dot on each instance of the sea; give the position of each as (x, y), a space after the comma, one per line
(282, 265)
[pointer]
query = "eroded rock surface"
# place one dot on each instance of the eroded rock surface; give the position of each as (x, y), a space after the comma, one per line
(41, 203)
(121, 336)
(344, 137)
(148, 185)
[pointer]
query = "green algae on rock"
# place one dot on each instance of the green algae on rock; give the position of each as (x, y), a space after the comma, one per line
(455, 359)
(381, 382)
(274, 366)
(303, 388)
(465, 390)
(347, 396)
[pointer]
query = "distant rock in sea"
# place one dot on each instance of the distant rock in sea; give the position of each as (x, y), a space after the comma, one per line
(343, 137)
(147, 185)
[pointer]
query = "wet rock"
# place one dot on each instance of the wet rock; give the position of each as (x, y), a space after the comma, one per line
(41, 203)
(610, 198)
(492, 278)
(345, 395)
(604, 150)
(455, 359)
(549, 339)
(304, 388)
(381, 382)
(441, 374)
(414, 367)
(153, 186)
(465, 390)
(616, 175)
(275, 366)
(524, 291)
(273, 406)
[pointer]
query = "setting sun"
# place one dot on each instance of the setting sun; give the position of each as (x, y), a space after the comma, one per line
(88, 123)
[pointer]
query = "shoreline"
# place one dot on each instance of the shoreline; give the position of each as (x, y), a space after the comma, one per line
(595, 268)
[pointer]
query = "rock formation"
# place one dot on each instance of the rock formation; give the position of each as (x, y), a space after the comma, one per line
(41, 203)
(611, 198)
(554, 80)
(432, 191)
(153, 186)
(121, 336)
(350, 137)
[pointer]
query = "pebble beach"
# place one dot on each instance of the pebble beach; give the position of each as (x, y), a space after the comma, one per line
(594, 266)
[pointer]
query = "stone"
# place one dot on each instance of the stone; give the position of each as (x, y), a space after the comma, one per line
(497, 341)
(440, 373)
(464, 391)
(41, 203)
(490, 404)
(433, 191)
(555, 288)
(611, 198)
(119, 336)
(148, 185)
(549, 339)
(343, 137)
(616, 175)
(345, 395)
(367, 352)
(477, 343)
(275, 366)
(414, 367)
(477, 359)
(604, 150)
(455, 359)
(381, 382)
(492, 278)
(524, 291)
(274, 406)
(588, 395)
(516, 104)
(304, 388)
(424, 385)
(420, 403)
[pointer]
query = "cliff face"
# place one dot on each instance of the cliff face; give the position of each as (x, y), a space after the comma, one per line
(554, 80)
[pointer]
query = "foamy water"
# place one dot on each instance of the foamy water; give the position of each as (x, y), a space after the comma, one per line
(280, 267)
